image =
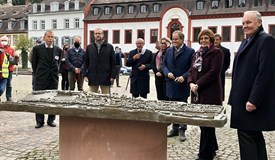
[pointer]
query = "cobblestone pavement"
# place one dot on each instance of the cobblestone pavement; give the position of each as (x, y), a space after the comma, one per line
(20, 140)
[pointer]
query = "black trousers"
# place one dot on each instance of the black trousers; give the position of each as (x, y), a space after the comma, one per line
(252, 145)
(40, 118)
(208, 143)
(161, 88)
(179, 126)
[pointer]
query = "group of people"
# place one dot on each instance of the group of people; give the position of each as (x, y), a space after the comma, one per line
(7, 61)
(180, 71)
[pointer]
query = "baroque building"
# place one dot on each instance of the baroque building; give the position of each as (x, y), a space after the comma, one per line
(123, 21)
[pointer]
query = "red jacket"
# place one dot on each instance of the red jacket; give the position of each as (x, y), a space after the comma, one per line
(10, 51)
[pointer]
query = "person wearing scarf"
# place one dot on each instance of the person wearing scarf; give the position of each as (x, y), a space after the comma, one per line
(206, 87)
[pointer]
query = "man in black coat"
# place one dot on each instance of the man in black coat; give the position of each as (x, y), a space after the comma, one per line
(253, 88)
(45, 63)
(140, 60)
(99, 64)
(226, 58)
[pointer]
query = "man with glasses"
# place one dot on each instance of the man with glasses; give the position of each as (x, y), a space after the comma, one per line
(175, 66)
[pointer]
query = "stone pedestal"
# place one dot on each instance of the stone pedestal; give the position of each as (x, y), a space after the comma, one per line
(110, 139)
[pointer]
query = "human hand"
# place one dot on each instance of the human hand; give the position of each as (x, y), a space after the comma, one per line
(171, 76)
(179, 79)
(158, 74)
(63, 59)
(77, 70)
(86, 79)
(141, 67)
(112, 81)
(194, 88)
(250, 107)
(136, 56)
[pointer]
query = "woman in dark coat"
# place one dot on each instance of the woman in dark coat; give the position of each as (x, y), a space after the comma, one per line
(63, 69)
(156, 67)
(205, 84)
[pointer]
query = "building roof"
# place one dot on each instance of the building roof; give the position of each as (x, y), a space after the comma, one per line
(190, 6)
(14, 15)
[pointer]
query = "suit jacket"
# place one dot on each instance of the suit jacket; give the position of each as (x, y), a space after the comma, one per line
(226, 64)
(179, 66)
(140, 80)
(208, 79)
(254, 81)
(45, 68)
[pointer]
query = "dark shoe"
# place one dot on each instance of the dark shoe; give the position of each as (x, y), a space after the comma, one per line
(173, 133)
(51, 124)
(182, 135)
(9, 99)
(38, 125)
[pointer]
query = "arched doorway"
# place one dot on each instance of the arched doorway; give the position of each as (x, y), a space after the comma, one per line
(173, 26)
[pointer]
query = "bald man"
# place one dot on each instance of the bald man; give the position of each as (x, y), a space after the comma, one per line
(140, 60)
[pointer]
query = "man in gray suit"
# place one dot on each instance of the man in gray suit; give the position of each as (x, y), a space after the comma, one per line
(45, 62)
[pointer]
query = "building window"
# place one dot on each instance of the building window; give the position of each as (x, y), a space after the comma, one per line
(1, 23)
(228, 3)
(92, 36)
(272, 30)
(153, 35)
(107, 10)
(22, 25)
(42, 23)
(241, 3)
(105, 35)
(143, 8)
(66, 23)
(76, 23)
(239, 33)
(116, 36)
(14, 40)
(200, 5)
(257, 3)
(213, 29)
(156, 8)
(273, 2)
(196, 31)
(226, 32)
(118, 9)
(34, 25)
(66, 40)
(128, 37)
(96, 11)
(140, 33)
(215, 4)
(54, 24)
(55, 41)
(131, 9)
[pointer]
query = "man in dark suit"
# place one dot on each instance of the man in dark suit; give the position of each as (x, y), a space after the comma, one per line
(226, 58)
(176, 64)
(140, 60)
(45, 63)
(253, 88)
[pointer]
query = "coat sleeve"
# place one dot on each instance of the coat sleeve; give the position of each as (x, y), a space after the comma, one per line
(85, 65)
(113, 62)
(67, 60)
(226, 62)
(164, 65)
(148, 65)
(214, 71)
(265, 71)
(185, 75)
(34, 59)
(130, 61)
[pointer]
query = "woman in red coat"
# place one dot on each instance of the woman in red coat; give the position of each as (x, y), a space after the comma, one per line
(205, 84)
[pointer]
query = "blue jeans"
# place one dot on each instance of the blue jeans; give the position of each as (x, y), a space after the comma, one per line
(3, 83)
(8, 89)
